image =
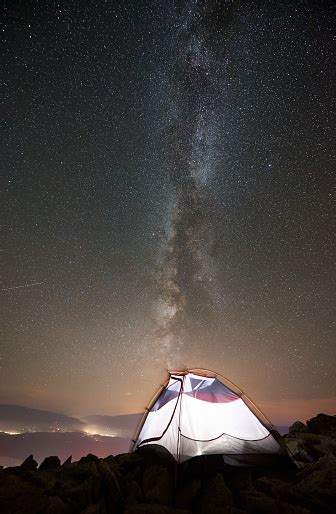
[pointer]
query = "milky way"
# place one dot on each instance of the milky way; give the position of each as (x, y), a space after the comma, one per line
(186, 267)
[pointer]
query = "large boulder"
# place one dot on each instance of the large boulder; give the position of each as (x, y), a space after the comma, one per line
(89, 458)
(319, 445)
(50, 463)
(308, 447)
(187, 493)
(67, 461)
(131, 466)
(78, 496)
(147, 508)
(111, 461)
(57, 506)
(297, 428)
(273, 487)
(298, 451)
(258, 502)
(17, 495)
(157, 454)
(111, 486)
(29, 464)
(79, 472)
(94, 508)
(318, 480)
(322, 424)
(158, 485)
(134, 493)
(312, 489)
(78, 485)
(216, 498)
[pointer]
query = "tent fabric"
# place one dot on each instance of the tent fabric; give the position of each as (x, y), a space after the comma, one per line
(200, 415)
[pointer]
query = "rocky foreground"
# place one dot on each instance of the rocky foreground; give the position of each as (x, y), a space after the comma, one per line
(149, 482)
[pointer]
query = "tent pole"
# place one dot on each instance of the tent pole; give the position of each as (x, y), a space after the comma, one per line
(179, 433)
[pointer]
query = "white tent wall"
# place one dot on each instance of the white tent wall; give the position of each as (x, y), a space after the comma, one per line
(221, 429)
(161, 425)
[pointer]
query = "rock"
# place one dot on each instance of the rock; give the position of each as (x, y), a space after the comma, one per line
(187, 493)
(314, 492)
(110, 487)
(307, 447)
(112, 464)
(216, 497)
(111, 461)
(281, 492)
(326, 445)
(92, 509)
(153, 509)
(322, 424)
(298, 451)
(158, 485)
(156, 454)
(297, 428)
(78, 497)
(29, 464)
(108, 475)
(17, 496)
(272, 486)
(318, 480)
(132, 468)
(57, 506)
(50, 463)
(134, 493)
(89, 458)
(319, 445)
(128, 461)
(67, 461)
(78, 485)
(80, 472)
(259, 503)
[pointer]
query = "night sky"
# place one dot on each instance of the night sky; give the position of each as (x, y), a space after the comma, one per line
(167, 201)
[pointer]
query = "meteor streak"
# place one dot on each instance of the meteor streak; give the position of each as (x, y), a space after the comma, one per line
(20, 287)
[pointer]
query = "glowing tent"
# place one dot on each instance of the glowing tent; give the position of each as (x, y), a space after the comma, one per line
(198, 412)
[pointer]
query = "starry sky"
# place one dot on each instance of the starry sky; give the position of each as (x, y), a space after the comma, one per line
(167, 198)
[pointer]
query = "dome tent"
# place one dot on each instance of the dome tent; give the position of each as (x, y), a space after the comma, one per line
(198, 412)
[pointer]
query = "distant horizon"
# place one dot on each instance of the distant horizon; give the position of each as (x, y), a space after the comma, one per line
(41, 433)
(299, 410)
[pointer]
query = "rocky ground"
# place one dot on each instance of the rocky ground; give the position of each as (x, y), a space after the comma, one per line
(149, 482)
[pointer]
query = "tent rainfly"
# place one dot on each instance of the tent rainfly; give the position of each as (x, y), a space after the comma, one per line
(198, 412)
